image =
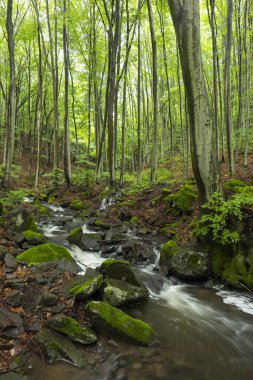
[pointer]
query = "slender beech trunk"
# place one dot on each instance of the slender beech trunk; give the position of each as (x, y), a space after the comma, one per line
(227, 90)
(11, 100)
(247, 75)
(186, 19)
(66, 139)
(154, 93)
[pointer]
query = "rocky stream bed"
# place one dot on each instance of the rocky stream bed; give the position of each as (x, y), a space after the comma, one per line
(110, 313)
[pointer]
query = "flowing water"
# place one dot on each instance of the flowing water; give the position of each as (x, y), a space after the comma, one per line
(205, 333)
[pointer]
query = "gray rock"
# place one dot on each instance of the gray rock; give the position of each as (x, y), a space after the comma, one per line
(120, 270)
(49, 299)
(19, 220)
(87, 288)
(189, 265)
(91, 241)
(58, 347)
(118, 293)
(9, 320)
(10, 262)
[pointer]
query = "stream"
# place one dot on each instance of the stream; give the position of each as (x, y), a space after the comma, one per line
(205, 333)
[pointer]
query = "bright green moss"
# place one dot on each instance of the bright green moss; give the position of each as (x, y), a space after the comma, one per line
(122, 323)
(31, 234)
(184, 198)
(168, 250)
(236, 271)
(72, 329)
(100, 223)
(76, 205)
(134, 220)
(86, 289)
(51, 200)
(43, 197)
(75, 235)
(45, 253)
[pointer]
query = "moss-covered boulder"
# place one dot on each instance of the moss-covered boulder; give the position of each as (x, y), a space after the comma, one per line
(76, 205)
(120, 270)
(185, 264)
(45, 253)
(111, 319)
(34, 238)
(75, 236)
(86, 289)
(183, 200)
(43, 197)
(58, 347)
(101, 224)
(19, 220)
(72, 329)
(118, 293)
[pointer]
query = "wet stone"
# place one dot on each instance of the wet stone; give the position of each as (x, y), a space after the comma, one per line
(10, 262)
(58, 347)
(15, 283)
(49, 299)
(15, 299)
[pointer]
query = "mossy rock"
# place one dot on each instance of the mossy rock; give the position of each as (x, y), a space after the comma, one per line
(220, 259)
(43, 197)
(168, 249)
(19, 220)
(89, 287)
(234, 185)
(42, 210)
(120, 270)
(58, 347)
(184, 198)
(72, 329)
(45, 253)
(34, 238)
(91, 241)
(76, 205)
(118, 293)
(51, 200)
(134, 220)
(100, 223)
(106, 316)
(75, 236)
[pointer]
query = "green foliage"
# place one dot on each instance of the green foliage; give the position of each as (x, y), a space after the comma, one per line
(56, 176)
(13, 197)
(234, 185)
(219, 221)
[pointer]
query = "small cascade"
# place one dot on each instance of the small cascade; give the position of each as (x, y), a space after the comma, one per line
(105, 203)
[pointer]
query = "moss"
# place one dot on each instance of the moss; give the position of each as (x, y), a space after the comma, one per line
(100, 223)
(120, 270)
(76, 205)
(117, 293)
(134, 220)
(220, 259)
(42, 210)
(51, 200)
(168, 250)
(236, 271)
(45, 253)
(123, 323)
(72, 329)
(43, 197)
(31, 234)
(86, 289)
(75, 235)
(184, 199)
(234, 185)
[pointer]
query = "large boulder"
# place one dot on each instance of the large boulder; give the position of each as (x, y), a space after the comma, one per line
(120, 270)
(45, 253)
(58, 347)
(19, 220)
(118, 293)
(72, 329)
(185, 264)
(87, 288)
(113, 320)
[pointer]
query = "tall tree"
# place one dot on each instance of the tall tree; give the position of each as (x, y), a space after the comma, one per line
(11, 100)
(186, 20)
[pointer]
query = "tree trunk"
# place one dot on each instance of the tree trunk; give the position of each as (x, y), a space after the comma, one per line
(186, 21)
(11, 101)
